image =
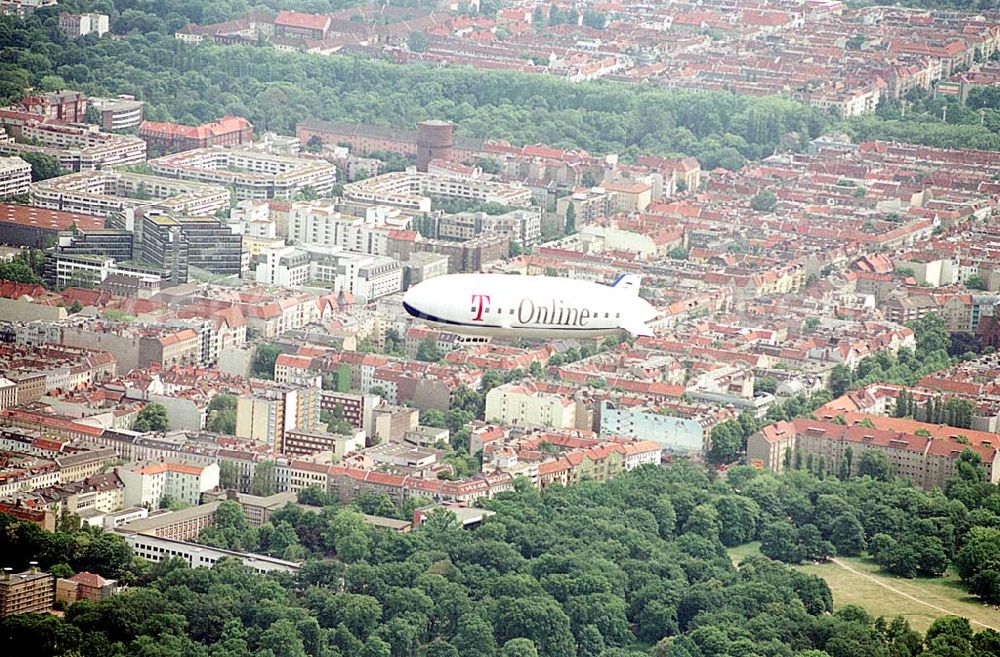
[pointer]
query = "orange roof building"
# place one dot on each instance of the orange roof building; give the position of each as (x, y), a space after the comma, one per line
(227, 131)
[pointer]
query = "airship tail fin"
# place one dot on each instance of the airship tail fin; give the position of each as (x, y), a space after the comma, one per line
(629, 283)
(639, 330)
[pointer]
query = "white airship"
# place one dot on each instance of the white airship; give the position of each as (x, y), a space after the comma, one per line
(530, 306)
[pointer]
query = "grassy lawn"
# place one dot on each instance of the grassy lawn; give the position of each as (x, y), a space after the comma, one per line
(944, 593)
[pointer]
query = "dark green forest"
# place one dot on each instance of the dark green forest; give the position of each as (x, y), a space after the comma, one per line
(193, 84)
(618, 569)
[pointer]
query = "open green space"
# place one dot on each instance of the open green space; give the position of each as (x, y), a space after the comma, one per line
(859, 581)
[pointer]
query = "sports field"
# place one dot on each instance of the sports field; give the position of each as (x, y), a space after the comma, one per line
(860, 582)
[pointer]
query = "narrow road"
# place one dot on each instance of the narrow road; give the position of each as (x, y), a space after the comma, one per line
(905, 594)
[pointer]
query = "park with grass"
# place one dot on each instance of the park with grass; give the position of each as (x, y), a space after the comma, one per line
(859, 581)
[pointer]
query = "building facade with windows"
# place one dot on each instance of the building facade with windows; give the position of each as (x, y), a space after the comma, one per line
(26, 593)
(15, 177)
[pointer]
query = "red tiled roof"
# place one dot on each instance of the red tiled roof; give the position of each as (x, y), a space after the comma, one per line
(302, 21)
(225, 125)
(14, 290)
(33, 217)
(91, 580)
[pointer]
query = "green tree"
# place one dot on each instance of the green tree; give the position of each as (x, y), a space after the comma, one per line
(841, 379)
(738, 519)
(152, 417)
(282, 639)
(704, 520)
(428, 351)
(222, 414)
(222, 402)
(263, 360)
(978, 563)
(222, 422)
(43, 166)
(432, 418)
(848, 536)
(540, 619)
(779, 540)
(727, 441)
(519, 648)
(262, 482)
(570, 219)
(474, 637)
(932, 334)
(765, 384)
(764, 201)
(958, 412)
(229, 475)
(417, 41)
(975, 282)
(21, 269)
(875, 465)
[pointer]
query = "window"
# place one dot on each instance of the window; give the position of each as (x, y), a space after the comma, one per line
(606, 315)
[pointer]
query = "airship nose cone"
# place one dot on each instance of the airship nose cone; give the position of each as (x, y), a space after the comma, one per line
(416, 300)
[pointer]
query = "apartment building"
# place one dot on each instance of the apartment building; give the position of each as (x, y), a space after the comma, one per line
(26, 593)
(15, 177)
(77, 147)
(68, 269)
(523, 227)
(85, 586)
(414, 190)
(672, 433)
(146, 484)
(24, 225)
(357, 409)
(366, 277)
(251, 174)
(363, 138)
(304, 443)
(525, 404)
(588, 205)
(271, 410)
(8, 393)
(75, 26)
(926, 461)
(103, 193)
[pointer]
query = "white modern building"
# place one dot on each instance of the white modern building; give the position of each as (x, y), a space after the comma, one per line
(673, 434)
(15, 177)
(78, 147)
(156, 549)
(251, 174)
(414, 190)
(366, 277)
(146, 484)
(107, 192)
(79, 25)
